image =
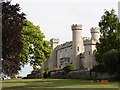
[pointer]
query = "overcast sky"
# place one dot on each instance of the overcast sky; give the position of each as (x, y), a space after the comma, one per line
(55, 17)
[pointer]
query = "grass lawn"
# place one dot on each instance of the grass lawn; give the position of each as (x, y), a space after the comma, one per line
(53, 84)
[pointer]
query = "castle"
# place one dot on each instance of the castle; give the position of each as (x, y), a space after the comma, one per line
(80, 51)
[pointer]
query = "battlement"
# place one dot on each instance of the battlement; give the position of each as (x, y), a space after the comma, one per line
(95, 30)
(86, 38)
(64, 45)
(76, 27)
(87, 42)
(90, 42)
(54, 40)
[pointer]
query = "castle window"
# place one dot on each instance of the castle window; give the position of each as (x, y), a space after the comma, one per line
(59, 66)
(89, 52)
(78, 49)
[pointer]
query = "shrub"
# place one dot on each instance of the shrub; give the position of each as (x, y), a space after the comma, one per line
(46, 73)
(68, 68)
(34, 75)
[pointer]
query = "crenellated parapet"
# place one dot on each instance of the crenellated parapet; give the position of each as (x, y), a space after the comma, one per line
(76, 27)
(95, 33)
(95, 30)
(54, 43)
(87, 42)
(54, 40)
(64, 45)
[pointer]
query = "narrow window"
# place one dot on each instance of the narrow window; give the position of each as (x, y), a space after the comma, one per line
(89, 52)
(78, 49)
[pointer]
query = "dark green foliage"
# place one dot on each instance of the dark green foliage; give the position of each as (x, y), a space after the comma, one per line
(110, 33)
(22, 42)
(46, 73)
(112, 62)
(34, 75)
(12, 23)
(68, 68)
(108, 50)
(98, 68)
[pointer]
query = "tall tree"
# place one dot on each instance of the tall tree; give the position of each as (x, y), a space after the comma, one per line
(36, 50)
(12, 23)
(108, 50)
(22, 42)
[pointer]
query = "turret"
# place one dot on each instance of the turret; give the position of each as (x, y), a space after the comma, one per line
(54, 42)
(77, 44)
(95, 33)
(53, 59)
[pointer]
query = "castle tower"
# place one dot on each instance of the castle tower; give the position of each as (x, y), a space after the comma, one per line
(53, 59)
(54, 42)
(77, 44)
(95, 33)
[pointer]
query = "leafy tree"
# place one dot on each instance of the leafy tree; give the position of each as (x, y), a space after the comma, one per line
(22, 42)
(112, 61)
(109, 46)
(12, 23)
(36, 50)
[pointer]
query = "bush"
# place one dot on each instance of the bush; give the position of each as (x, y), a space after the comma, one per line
(68, 68)
(34, 75)
(46, 74)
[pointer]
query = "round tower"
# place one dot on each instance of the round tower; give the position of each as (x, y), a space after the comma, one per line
(77, 44)
(95, 33)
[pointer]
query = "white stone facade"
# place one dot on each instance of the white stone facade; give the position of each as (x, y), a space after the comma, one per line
(80, 51)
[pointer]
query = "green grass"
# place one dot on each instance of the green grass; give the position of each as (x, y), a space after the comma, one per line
(52, 84)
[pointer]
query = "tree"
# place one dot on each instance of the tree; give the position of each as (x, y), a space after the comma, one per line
(109, 46)
(36, 50)
(12, 23)
(112, 61)
(22, 42)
